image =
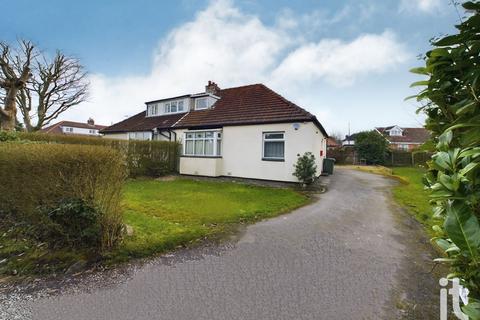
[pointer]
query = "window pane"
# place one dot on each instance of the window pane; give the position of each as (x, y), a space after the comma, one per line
(189, 135)
(200, 135)
(180, 105)
(173, 106)
(167, 107)
(274, 149)
(199, 147)
(189, 147)
(209, 134)
(201, 103)
(219, 147)
(209, 147)
(273, 135)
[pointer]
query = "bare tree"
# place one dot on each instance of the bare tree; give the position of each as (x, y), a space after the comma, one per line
(53, 87)
(14, 73)
(337, 136)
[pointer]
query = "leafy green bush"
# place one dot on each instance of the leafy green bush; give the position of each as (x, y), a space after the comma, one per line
(72, 223)
(41, 178)
(451, 93)
(305, 168)
(371, 146)
(8, 136)
(143, 158)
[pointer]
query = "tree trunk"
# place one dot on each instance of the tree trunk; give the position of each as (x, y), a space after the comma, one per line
(10, 110)
(7, 120)
(8, 115)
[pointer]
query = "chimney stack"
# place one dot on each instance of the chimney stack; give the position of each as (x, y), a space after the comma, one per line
(211, 87)
(90, 121)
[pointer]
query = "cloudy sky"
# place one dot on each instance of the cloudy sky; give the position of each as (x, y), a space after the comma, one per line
(345, 61)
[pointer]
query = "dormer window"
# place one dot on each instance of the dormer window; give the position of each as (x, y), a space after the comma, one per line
(161, 108)
(201, 103)
(395, 132)
(152, 109)
(174, 106)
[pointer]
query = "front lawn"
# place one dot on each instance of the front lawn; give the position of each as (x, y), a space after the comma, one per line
(163, 215)
(166, 214)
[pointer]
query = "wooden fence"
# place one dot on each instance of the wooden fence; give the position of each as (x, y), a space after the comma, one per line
(394, 158)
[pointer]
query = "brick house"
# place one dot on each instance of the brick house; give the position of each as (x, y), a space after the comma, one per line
(404, 139)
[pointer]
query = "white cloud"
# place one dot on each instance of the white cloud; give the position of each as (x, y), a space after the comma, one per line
(232, 48)
(426, 6)
(339, 62)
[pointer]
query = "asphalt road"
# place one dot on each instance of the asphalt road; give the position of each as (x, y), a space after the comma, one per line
(351, 255)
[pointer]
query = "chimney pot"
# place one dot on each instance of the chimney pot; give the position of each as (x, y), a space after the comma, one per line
(212, 87)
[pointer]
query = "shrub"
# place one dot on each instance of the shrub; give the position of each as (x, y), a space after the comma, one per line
(143, 158)
(371, 146)
(451, 103)
(305, 168)
(73, 223)
(37, 179)
(8, 136)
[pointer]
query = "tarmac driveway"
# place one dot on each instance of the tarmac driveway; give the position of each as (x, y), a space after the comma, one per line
(350, 255)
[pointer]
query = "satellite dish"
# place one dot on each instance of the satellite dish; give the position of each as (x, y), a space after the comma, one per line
(296, 126)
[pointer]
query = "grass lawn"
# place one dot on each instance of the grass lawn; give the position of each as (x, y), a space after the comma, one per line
(414, 197)
(166, 214)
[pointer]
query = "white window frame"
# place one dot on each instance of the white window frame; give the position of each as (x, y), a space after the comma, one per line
(264, 139)
(156, 109)
(180, 102)
(135, 135)
(217, 137)
(206, 103)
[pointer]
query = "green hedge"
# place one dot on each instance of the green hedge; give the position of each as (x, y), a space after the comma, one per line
(144, 158)
(37, 179)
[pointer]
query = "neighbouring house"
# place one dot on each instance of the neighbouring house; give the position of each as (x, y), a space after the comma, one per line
(404, 139)
(88, 128)
(332, 144)
(248, 131)
(349, 140)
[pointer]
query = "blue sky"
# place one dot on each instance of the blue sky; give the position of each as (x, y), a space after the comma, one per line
(345, 61)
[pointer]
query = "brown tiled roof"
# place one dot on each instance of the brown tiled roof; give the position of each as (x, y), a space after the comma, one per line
(410, 135)
(251, 104)
(331, 142)
(140, 122)
(57, 127)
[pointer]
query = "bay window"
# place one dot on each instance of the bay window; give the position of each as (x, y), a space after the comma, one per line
(203, 143)
(274, 146)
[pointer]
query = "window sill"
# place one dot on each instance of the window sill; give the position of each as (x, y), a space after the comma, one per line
(274, 160)
(205, 157)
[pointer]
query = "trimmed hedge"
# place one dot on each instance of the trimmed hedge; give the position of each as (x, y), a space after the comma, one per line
(38, 179)
(144, 158)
